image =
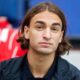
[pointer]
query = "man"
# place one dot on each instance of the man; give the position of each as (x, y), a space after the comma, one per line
(43, 33)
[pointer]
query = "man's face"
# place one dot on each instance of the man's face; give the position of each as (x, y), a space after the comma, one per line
(44, 32)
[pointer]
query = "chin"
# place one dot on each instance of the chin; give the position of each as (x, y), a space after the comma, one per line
(45, 52)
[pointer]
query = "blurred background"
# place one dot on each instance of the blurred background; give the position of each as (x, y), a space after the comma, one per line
(12, 13)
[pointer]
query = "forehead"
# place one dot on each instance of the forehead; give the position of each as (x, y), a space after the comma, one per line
(47, 17)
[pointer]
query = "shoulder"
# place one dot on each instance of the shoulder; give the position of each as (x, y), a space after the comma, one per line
(67, 69)
(10, 69)
(11, 64)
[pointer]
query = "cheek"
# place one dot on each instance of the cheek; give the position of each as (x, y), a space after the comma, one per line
(56, 38)
(34, 37)
(55, 42)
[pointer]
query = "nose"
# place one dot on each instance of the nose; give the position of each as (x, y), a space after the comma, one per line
(47, 34)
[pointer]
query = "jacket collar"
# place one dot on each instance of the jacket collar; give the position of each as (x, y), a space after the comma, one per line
(63, 71)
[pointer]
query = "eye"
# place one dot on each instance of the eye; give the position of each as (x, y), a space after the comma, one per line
(55, 28)
(39, 27)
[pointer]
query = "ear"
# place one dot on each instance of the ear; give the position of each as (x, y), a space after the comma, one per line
(61, 37)
(26, 32)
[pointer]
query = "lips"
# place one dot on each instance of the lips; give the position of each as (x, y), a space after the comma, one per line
(46, 44)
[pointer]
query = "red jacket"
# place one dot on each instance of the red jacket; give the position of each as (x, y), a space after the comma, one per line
(9, 47)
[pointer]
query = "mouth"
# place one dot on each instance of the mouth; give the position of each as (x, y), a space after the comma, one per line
(45, 44)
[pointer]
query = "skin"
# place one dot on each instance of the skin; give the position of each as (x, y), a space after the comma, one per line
(45, 33)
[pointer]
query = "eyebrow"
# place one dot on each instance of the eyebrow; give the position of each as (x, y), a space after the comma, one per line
(56, 23)
(41, 22)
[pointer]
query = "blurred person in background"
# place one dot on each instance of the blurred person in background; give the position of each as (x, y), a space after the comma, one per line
(9, 47)
(43, 33)
(4, 23)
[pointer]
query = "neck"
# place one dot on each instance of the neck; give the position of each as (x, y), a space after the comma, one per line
(40, 64)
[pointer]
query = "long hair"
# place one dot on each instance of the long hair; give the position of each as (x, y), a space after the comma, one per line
(64, 45)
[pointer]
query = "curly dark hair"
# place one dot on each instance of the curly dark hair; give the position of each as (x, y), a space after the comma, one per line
(64, 45)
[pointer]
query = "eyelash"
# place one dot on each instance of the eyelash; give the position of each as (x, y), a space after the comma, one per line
(54, 29)
(40, 27)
